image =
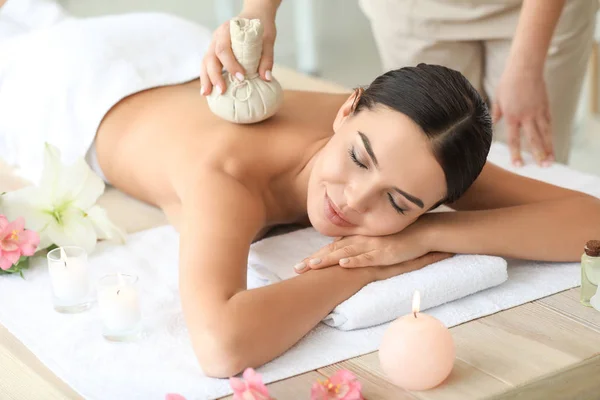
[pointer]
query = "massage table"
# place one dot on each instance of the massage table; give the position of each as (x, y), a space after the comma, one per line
(545, 349)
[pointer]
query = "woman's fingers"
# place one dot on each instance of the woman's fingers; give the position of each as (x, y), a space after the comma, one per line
(332, 254)
(382, 273)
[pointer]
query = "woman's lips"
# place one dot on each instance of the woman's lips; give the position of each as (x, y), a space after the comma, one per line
(333, 215)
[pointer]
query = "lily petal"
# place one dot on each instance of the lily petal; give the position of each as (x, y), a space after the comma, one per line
(75, 230)
(26, 203)
(104, 227)
(84, 186)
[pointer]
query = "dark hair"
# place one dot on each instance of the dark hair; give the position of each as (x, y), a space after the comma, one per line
(448, 109)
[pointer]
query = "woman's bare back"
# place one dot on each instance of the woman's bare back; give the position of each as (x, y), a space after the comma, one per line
(155, 144)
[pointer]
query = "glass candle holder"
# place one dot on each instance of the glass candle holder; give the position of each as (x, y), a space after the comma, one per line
(70, 279)
(119, 303)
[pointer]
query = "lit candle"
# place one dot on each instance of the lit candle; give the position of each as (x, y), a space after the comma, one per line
(119, 304)
(69, 276)
(417, 351)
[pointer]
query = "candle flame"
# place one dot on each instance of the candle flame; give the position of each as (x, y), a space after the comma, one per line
(416, 303)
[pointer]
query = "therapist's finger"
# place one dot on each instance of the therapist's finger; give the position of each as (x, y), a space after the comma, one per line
(545, 129)
(214, 69)
(227, 58)
(535, 141)
(266, 61)
(496, 112)
(514, 143)
(205, 84)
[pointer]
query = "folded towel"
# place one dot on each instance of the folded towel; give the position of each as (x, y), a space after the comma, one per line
(272, 259)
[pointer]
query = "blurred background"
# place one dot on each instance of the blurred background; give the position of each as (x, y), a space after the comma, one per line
(332, 39)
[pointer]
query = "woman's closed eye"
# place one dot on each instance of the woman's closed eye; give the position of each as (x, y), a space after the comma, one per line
(396, 206)
(355, 158)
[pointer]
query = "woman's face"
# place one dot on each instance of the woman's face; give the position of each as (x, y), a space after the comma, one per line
(374, 177)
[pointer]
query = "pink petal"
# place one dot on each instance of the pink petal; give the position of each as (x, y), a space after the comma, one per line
(174, 396)
(28, 242)
(3, 223)
(250, 375)
(17, 225)
(237, 384)
(9, 245)
(8, 258)
(342, 376)
(354, 393)
(318, 392)
(5, 264)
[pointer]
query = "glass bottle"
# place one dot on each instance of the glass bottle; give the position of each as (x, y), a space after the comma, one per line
(590, 271)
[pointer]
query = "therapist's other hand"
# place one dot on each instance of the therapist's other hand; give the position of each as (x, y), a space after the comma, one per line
(521, 99)
(220, 55)
(367, 251)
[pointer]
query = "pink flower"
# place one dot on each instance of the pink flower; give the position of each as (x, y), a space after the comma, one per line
(15, 241)
(342, 385)
(249, 388)
(174, 396)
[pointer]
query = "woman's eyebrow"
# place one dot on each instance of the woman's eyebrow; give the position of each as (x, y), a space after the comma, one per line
(367, 143)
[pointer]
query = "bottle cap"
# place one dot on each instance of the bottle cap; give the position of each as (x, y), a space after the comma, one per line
(592, 248)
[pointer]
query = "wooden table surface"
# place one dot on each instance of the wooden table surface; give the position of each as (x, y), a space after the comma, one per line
(546, 349)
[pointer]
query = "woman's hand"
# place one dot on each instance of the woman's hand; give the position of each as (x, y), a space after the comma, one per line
(389, 271)
(522, 100)
(367, 251)
(220, 55)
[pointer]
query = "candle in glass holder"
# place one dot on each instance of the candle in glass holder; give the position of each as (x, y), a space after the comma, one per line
(68, 269)
(119, 304)
(417, 351)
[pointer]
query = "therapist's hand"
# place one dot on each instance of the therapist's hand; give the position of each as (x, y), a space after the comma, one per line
(522, 101)
(367, 251)
(220, 55)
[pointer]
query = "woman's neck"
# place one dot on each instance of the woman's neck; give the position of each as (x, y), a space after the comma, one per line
(290, 191)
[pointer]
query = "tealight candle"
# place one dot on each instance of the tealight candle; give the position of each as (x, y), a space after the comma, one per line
(417, 350)
(119, 304)
(68, 268)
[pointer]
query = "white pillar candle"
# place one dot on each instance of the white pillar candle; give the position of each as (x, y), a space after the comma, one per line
(69, 274)
(119, 303)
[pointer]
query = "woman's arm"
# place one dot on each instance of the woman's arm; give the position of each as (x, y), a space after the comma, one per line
(233, 328)
(513, 216)
(502, 214)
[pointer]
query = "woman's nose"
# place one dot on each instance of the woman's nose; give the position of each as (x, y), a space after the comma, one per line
(357, 198)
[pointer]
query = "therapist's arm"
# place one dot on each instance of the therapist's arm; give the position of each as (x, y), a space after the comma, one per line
(521, 97)
(534, 33)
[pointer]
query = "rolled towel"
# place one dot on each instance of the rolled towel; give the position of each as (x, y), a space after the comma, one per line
(272, 259)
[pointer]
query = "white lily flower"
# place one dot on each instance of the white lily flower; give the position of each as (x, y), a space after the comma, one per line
(62, 209)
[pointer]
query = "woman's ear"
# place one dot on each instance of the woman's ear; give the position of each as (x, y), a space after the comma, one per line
(347, 108)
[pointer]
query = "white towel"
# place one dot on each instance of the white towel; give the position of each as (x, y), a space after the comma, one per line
(60, 75)
(272, 259)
